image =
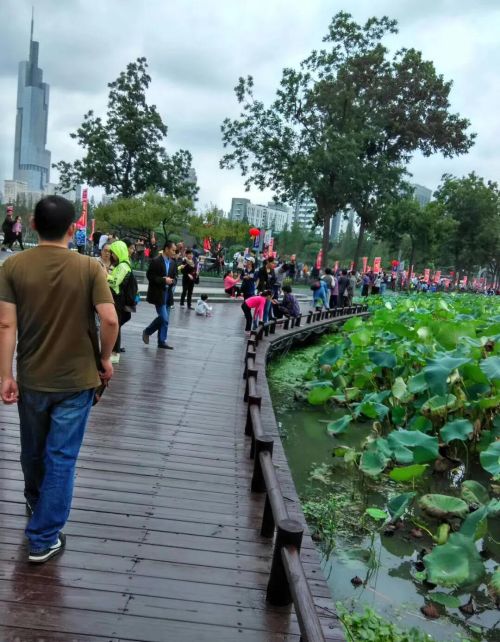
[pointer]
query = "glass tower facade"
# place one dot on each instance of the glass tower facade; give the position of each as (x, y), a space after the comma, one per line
(31, 159)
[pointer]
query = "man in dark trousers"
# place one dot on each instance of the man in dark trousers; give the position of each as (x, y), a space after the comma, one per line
(162, 276)
(48, 296)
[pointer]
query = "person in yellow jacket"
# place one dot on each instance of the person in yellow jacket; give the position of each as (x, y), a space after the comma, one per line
(121, 268)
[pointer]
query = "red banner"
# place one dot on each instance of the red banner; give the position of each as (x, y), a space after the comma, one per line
(365, 263)
(376, 264)
(336, 267)
(206, 244)
(319, 259)
(427, 275)
(82, 221)
(437, 276)
(352, 266)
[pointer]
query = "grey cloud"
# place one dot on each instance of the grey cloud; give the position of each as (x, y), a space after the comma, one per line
(197, 49)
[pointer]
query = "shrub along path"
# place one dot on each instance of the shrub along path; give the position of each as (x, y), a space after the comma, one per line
(163, 538)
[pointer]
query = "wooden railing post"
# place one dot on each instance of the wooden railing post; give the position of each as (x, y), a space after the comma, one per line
(298, 321)
(263, 443)
(286, 323)
(289, 531)
(253, 400)
(309, 316)
(272, 328)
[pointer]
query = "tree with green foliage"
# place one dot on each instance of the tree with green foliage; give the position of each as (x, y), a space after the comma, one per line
(473, 207)
(423, 229)
(213, 224)
(140, 216)
(344, 125)
(124, 152)
(294, 240)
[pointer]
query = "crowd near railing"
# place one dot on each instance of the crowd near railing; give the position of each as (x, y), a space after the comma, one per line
(287, 580)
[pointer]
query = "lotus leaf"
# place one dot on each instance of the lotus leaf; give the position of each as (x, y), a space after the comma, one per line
(439, 369)
(491, 368)
(372, 410)
(445, 599)
(408, 473)
(458, 429)
(455, 563)
(399, 390)
(443, 506)
(320, 393)
(373, 462)
(439, 404)
(474, 493)
(419, 422)
(472, 372)
(494, 508)
(331, 355)
(475, 525)
(352, 324)
(490, 402)
(339, 425)
(376, 513)
(383, 359)
(421, 447)
(490, 458)
(398, 415)
(417, 383)
(398, 505)
(361, 338)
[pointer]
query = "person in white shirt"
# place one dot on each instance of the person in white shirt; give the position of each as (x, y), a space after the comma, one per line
(202, 307)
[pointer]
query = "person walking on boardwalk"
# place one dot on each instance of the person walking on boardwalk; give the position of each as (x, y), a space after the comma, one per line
(162, 277)
(120, 259)
(48, 295)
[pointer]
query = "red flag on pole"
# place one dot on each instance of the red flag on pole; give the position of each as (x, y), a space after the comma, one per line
(365, 263)
(82, 221)
(427, 274)
(319, 259)
(376, 264)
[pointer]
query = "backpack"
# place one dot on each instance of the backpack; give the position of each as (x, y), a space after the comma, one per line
(315, 286)
(129, 292)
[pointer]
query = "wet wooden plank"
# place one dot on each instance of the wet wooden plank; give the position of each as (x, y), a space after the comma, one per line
(164, 535)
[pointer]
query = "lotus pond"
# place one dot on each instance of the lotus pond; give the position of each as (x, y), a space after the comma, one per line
(392, 430)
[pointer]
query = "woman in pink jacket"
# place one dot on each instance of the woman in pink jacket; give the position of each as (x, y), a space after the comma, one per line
(257, 304)
(231, 284)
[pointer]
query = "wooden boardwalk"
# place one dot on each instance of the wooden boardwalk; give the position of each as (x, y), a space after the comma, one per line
(163, 538)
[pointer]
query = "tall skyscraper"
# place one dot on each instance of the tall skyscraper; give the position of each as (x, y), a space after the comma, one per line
(31, 159)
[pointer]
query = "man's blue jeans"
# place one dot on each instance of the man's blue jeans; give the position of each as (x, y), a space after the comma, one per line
(160, 324)
(52, 428)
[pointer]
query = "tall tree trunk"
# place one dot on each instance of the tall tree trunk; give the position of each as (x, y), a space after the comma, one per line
(325, 246)
(359, 245)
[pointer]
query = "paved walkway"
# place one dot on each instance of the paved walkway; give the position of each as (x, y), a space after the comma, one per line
(163, 539)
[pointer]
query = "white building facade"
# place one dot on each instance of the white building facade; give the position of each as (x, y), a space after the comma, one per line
(272, 216)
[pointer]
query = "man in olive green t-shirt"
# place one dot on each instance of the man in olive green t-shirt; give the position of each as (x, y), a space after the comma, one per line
(49, 295)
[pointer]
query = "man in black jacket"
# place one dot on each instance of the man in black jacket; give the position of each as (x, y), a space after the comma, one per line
(162, 276)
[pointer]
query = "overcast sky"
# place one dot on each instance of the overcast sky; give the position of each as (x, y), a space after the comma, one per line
(198, 49)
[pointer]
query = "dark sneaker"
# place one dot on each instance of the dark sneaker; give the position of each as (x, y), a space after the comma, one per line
(165, 346)
(145, 337)
(43, 556)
